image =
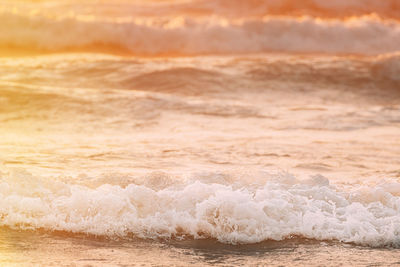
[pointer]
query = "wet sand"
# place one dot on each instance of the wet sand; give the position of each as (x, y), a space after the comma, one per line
(62, 249)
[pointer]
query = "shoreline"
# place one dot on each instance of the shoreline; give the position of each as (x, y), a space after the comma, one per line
(19, 248)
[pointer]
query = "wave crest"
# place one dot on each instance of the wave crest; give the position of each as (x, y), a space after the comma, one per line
(364, 35)
(229, 209)
(222, 8)
(319, 8)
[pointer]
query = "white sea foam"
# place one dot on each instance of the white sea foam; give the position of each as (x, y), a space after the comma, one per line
(363, 35)
(229, 209)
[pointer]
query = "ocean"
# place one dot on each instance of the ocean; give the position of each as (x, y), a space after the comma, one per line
(199, 132)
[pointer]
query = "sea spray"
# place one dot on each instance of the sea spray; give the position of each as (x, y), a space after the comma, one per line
(237, 213)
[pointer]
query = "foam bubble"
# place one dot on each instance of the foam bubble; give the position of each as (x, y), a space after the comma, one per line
(233, 211)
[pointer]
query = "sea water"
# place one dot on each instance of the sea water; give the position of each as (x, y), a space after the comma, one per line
(199, 132)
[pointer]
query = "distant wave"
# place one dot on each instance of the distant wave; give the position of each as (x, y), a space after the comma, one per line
(363, 35)
(207, 76)
(387, 67)
(320, 8)
(225, 208)
(223, 8)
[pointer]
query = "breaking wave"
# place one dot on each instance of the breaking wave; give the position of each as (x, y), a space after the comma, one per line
(362, 35)
(257, 8)
(222, 8)
(227, 208)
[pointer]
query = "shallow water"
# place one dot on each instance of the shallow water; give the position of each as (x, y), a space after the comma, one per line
(28, 248)
(176, 149)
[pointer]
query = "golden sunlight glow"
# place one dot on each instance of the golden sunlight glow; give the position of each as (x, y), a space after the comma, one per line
(199, 132)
